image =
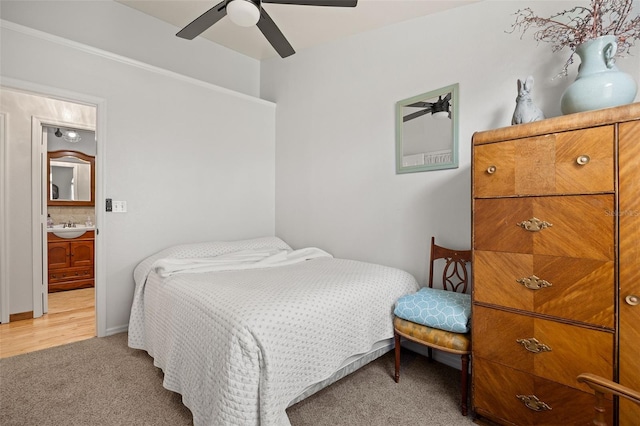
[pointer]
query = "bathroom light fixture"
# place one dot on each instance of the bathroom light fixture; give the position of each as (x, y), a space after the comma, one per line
(244, 13)
(58, 133)
(71, 136)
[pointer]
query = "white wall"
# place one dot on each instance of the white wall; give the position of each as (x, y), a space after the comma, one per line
(336, 185)
(119, 29)
(335, 155)
(86, 145)
(219, 144)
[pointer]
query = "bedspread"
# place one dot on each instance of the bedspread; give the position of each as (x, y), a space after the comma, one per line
(239, 345)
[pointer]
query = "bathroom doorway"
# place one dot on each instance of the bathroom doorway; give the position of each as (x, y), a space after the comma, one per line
(69, 185)
(32, 117)
(66, 197)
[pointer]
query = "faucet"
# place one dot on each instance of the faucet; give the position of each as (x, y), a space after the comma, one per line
(69, 224)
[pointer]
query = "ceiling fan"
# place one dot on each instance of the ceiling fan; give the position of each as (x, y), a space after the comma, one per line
(247, 13)
(438, 109)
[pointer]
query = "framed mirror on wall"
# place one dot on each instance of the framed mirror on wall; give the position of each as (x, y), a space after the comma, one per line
(427, 131)
(71, 179)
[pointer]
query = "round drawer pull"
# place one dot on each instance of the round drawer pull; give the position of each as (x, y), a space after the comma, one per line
(491, 169)
(632, 300)
(583, 159)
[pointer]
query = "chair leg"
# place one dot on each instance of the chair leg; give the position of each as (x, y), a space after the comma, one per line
(429, 354)
(397, 353)
(464, 379)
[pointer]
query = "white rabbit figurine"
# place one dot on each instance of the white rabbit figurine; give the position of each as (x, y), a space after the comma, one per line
(526, 111)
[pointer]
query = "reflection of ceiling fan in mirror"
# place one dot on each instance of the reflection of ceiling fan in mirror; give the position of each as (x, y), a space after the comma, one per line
(247, 13)
(438, 109)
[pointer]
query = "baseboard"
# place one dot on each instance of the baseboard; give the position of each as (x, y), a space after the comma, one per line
(452, 360)
(116, 330)
(20, 316)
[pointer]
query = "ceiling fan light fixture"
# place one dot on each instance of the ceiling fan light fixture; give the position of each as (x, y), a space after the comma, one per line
(244, 13)
(440, 115)
(440, 108)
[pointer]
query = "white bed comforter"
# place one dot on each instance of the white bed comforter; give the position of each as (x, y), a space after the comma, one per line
(240, 342)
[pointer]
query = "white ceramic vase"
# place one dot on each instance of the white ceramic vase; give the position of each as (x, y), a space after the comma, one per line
(599, 84)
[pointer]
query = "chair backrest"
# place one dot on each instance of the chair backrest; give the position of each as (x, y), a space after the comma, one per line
(455, 276)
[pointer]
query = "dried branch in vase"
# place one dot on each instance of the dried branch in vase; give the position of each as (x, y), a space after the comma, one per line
(574, 26)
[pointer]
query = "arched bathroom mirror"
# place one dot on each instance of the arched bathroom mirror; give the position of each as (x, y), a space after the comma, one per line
(427, 131)
(71, 179)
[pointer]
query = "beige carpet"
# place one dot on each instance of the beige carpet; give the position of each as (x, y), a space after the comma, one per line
(101, 381)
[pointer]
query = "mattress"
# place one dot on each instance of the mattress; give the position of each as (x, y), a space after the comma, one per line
(244, 341)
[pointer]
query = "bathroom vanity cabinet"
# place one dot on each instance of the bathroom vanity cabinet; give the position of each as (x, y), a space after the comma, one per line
(70, 262)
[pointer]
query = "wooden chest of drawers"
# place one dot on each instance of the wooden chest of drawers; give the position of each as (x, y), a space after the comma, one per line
(546, 257)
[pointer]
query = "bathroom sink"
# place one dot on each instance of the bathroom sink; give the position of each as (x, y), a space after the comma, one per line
(62, 232)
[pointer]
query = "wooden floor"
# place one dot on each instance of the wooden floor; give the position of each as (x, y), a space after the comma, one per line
(71, 318)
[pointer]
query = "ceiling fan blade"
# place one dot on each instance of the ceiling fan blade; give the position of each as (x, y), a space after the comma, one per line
(204, 21)
(274, 35)
(447, 98)
(332, 3)
(415, 115)
(421, 104)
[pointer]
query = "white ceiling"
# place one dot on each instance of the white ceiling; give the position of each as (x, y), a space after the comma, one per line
(303, 26)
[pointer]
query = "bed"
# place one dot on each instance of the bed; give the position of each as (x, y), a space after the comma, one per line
(244, 329)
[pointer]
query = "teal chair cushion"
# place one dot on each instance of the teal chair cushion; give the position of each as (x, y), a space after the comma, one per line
(445, 310)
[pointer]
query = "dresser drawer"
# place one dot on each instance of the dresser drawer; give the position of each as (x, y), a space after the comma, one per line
(71, 274)
(579, 226)
(495, 395)
(575, 162)
(576, 289)
(560, 352)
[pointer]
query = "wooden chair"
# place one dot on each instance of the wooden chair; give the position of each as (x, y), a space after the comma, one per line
(601, 386)
(455, 277)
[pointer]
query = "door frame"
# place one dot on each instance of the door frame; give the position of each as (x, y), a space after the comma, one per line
(101, 137)
(39, 192)
(4, 247)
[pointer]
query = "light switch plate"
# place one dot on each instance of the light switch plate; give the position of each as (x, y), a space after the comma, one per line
(119, 206)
